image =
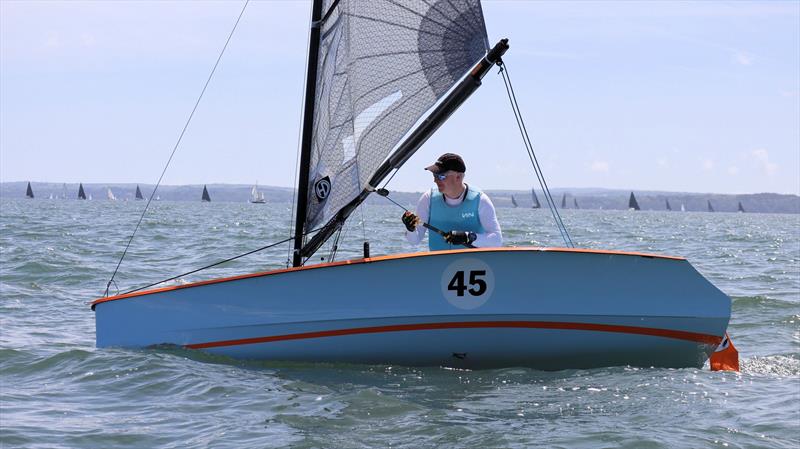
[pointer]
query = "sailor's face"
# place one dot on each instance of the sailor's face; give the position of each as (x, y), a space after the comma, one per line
(451, 182)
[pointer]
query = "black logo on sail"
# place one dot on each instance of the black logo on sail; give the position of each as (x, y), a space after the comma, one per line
(322, 188)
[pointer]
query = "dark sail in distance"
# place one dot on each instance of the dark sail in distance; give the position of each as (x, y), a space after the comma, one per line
(575, 203)
(668, 206)
(710, 208)
(81, 193)
(514, 201)
(536, 204)
(564, 201)
(29, 192)
(632, 203)
(741, 209)
(139, 193)
(206, 197)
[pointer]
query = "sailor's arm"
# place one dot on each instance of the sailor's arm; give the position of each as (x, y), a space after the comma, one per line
(492, 236)
(424, 213)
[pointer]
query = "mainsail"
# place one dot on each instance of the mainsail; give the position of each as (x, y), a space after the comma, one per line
(139, 193)
(564, 201)
(741, 209)
(514, 201)
(29, 192)
(536, 204)
(379, 67)
(206, 197)
(710, 208)
(81, 193)
(632, 203)
(575, 202)
(668, 206)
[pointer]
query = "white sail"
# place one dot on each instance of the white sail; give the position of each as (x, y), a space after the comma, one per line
(382, 65)
(110, 194)
(256, 196)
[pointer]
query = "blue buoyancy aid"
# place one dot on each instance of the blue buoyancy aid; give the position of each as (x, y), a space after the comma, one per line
(463, 217)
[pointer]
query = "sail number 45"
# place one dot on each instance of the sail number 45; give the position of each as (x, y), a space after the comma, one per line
(477, 285)
(467, 283)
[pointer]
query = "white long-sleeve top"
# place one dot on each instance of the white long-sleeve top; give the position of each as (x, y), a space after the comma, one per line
(492, 236)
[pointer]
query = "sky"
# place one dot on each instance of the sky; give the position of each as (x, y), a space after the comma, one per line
(656, 95)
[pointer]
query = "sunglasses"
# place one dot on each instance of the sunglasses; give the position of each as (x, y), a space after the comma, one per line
(440, 176)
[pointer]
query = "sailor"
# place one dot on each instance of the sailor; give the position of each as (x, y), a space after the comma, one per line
(462, 211)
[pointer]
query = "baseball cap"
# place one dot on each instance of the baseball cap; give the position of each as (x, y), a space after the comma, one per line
(447, 162)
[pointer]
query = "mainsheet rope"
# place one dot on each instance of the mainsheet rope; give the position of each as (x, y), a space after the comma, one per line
(175, 148)
(532, 156)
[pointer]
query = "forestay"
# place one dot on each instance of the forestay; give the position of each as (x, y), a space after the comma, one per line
(382, 65)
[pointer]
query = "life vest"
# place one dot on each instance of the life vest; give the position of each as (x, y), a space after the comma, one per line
(463, 217)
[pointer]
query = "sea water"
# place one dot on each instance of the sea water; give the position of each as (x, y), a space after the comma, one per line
(58, 390)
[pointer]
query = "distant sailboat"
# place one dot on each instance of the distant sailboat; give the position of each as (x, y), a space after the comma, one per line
(741, 209)
(683, 208)
(632, 203)
(668, 206)
(710, 208)
(29, 192)
(536, 204)
(139, 193)
(81, 193)
(575, 202)
(257, 197)
(206, 198)
(564, 201)
(110, 194)
(52, 196)
(514, 201)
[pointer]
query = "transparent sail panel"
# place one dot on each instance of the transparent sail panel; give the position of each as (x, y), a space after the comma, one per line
(382, 65)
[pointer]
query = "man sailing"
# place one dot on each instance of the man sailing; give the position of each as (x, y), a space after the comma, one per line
(463, 212)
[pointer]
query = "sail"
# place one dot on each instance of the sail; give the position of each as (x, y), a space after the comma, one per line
(536, 204)
(29, 192)
(668, 206)
(81, 193)
(206, 196)
(382, 65)
(564, 201)
(110, 195)
(514, 201)
(632, 203)
(710, 208)
(139, 193)
(741, 209)
(575, 203)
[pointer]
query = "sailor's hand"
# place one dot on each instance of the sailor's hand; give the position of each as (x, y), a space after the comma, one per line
(411, 221)
(460, 237)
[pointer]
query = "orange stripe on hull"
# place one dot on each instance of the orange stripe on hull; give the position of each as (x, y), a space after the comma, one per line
(680, 335)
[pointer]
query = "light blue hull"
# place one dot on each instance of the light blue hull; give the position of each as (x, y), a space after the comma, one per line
(546, 309)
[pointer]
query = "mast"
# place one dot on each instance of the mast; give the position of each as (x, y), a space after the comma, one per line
(457, 96)
(308, 130)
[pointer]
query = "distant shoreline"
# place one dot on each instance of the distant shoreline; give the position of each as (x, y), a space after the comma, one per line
(586, 198)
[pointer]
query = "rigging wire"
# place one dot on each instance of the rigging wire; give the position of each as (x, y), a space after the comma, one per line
(562, 229)
(215, 264)
(175, 148)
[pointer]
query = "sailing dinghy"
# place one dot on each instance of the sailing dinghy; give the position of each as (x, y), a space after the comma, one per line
(464, 308)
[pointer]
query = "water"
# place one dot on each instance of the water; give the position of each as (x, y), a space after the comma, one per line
(57, 390)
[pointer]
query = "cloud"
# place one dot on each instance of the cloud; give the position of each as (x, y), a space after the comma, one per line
(762, 156)
(599, 166)
(743, 58)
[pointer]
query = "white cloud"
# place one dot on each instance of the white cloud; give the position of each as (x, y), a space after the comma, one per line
(733, 170)
(743, 58)
(599, 166)
(762, 156)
